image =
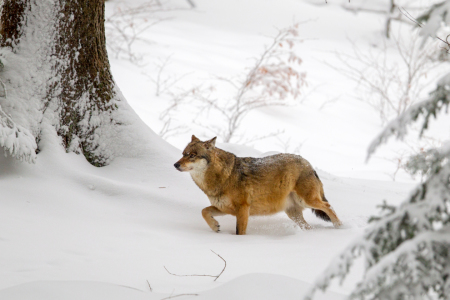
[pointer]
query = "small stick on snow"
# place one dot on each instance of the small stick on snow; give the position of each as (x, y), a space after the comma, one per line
(215, 276)
(151, 290)
(223, 266)
(170, 297)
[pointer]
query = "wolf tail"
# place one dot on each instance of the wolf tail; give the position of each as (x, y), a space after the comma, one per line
(319, 213)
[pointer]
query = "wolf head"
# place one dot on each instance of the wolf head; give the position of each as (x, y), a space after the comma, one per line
(196, 155)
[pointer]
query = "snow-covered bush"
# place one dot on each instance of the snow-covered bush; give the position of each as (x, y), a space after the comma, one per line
(407, 248)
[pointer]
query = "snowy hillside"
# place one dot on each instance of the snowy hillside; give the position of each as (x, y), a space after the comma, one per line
(222, 38)
(73, 231)
(63, 219)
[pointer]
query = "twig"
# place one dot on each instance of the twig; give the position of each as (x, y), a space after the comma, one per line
(127, 24)
(330, 101)
(215, 276)
(170, 297)
(446, 42)
(263, 137)
(411, 18)
(404, 12)
(164, 82)
(151, 290)
(361, 9)
(223, 266)
(389, 87)
(272, 80)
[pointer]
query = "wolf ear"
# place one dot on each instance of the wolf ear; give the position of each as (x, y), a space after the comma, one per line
(194, 139)
(211, 143)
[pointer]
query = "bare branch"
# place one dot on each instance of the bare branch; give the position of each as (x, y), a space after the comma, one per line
(214, 276)
(330, 101)
(272, 80)
(446, 42)
(408, 15)
(389, 86)
(168, 129)
(126, 24)
(225, 262)
(151, 290)
(188, 275)
(286, 145)
(164, 83)
(404, 12)
(361, 9)
(175, 296)
(389, 12)
(263, 137)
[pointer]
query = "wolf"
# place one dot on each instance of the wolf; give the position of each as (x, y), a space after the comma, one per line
(248, 186)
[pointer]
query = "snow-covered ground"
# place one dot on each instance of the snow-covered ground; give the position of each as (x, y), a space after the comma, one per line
(64, 220)
(69, 230)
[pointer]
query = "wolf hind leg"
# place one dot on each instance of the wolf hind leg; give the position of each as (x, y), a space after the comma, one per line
(295, 212)
(313, 199)
(208, 214)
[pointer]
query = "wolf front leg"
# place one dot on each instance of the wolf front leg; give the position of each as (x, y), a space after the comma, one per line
(242, 214)
(209, 213)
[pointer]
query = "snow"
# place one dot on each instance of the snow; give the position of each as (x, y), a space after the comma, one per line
(436, 18)
(17, 140)
(332, 127)
(73, 231)
(63, 219)
(251, 286)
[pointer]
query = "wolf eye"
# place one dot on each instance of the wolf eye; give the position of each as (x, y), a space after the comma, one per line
(192, 155)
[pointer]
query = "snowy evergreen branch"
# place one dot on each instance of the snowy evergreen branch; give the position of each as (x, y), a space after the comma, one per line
(407, 249)
(404, 250)
(16, 140)
(438, 100)
(432, 19)
(415, 268)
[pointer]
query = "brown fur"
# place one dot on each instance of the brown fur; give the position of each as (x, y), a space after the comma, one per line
(245, 186)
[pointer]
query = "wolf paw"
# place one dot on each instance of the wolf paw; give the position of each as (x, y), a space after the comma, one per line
(337, 224)
(305, 226)
(215, 226)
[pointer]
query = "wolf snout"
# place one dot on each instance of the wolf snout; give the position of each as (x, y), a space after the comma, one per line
(177, 166)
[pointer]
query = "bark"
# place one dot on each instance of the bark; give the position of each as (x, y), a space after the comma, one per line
(12, 18)
(79, 88)
(82, 45)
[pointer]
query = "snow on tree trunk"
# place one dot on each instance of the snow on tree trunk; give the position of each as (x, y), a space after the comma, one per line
(56, 72)
(18, 141)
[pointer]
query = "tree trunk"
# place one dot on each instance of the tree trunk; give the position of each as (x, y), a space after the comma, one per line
(389, 17)
(57, 72)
